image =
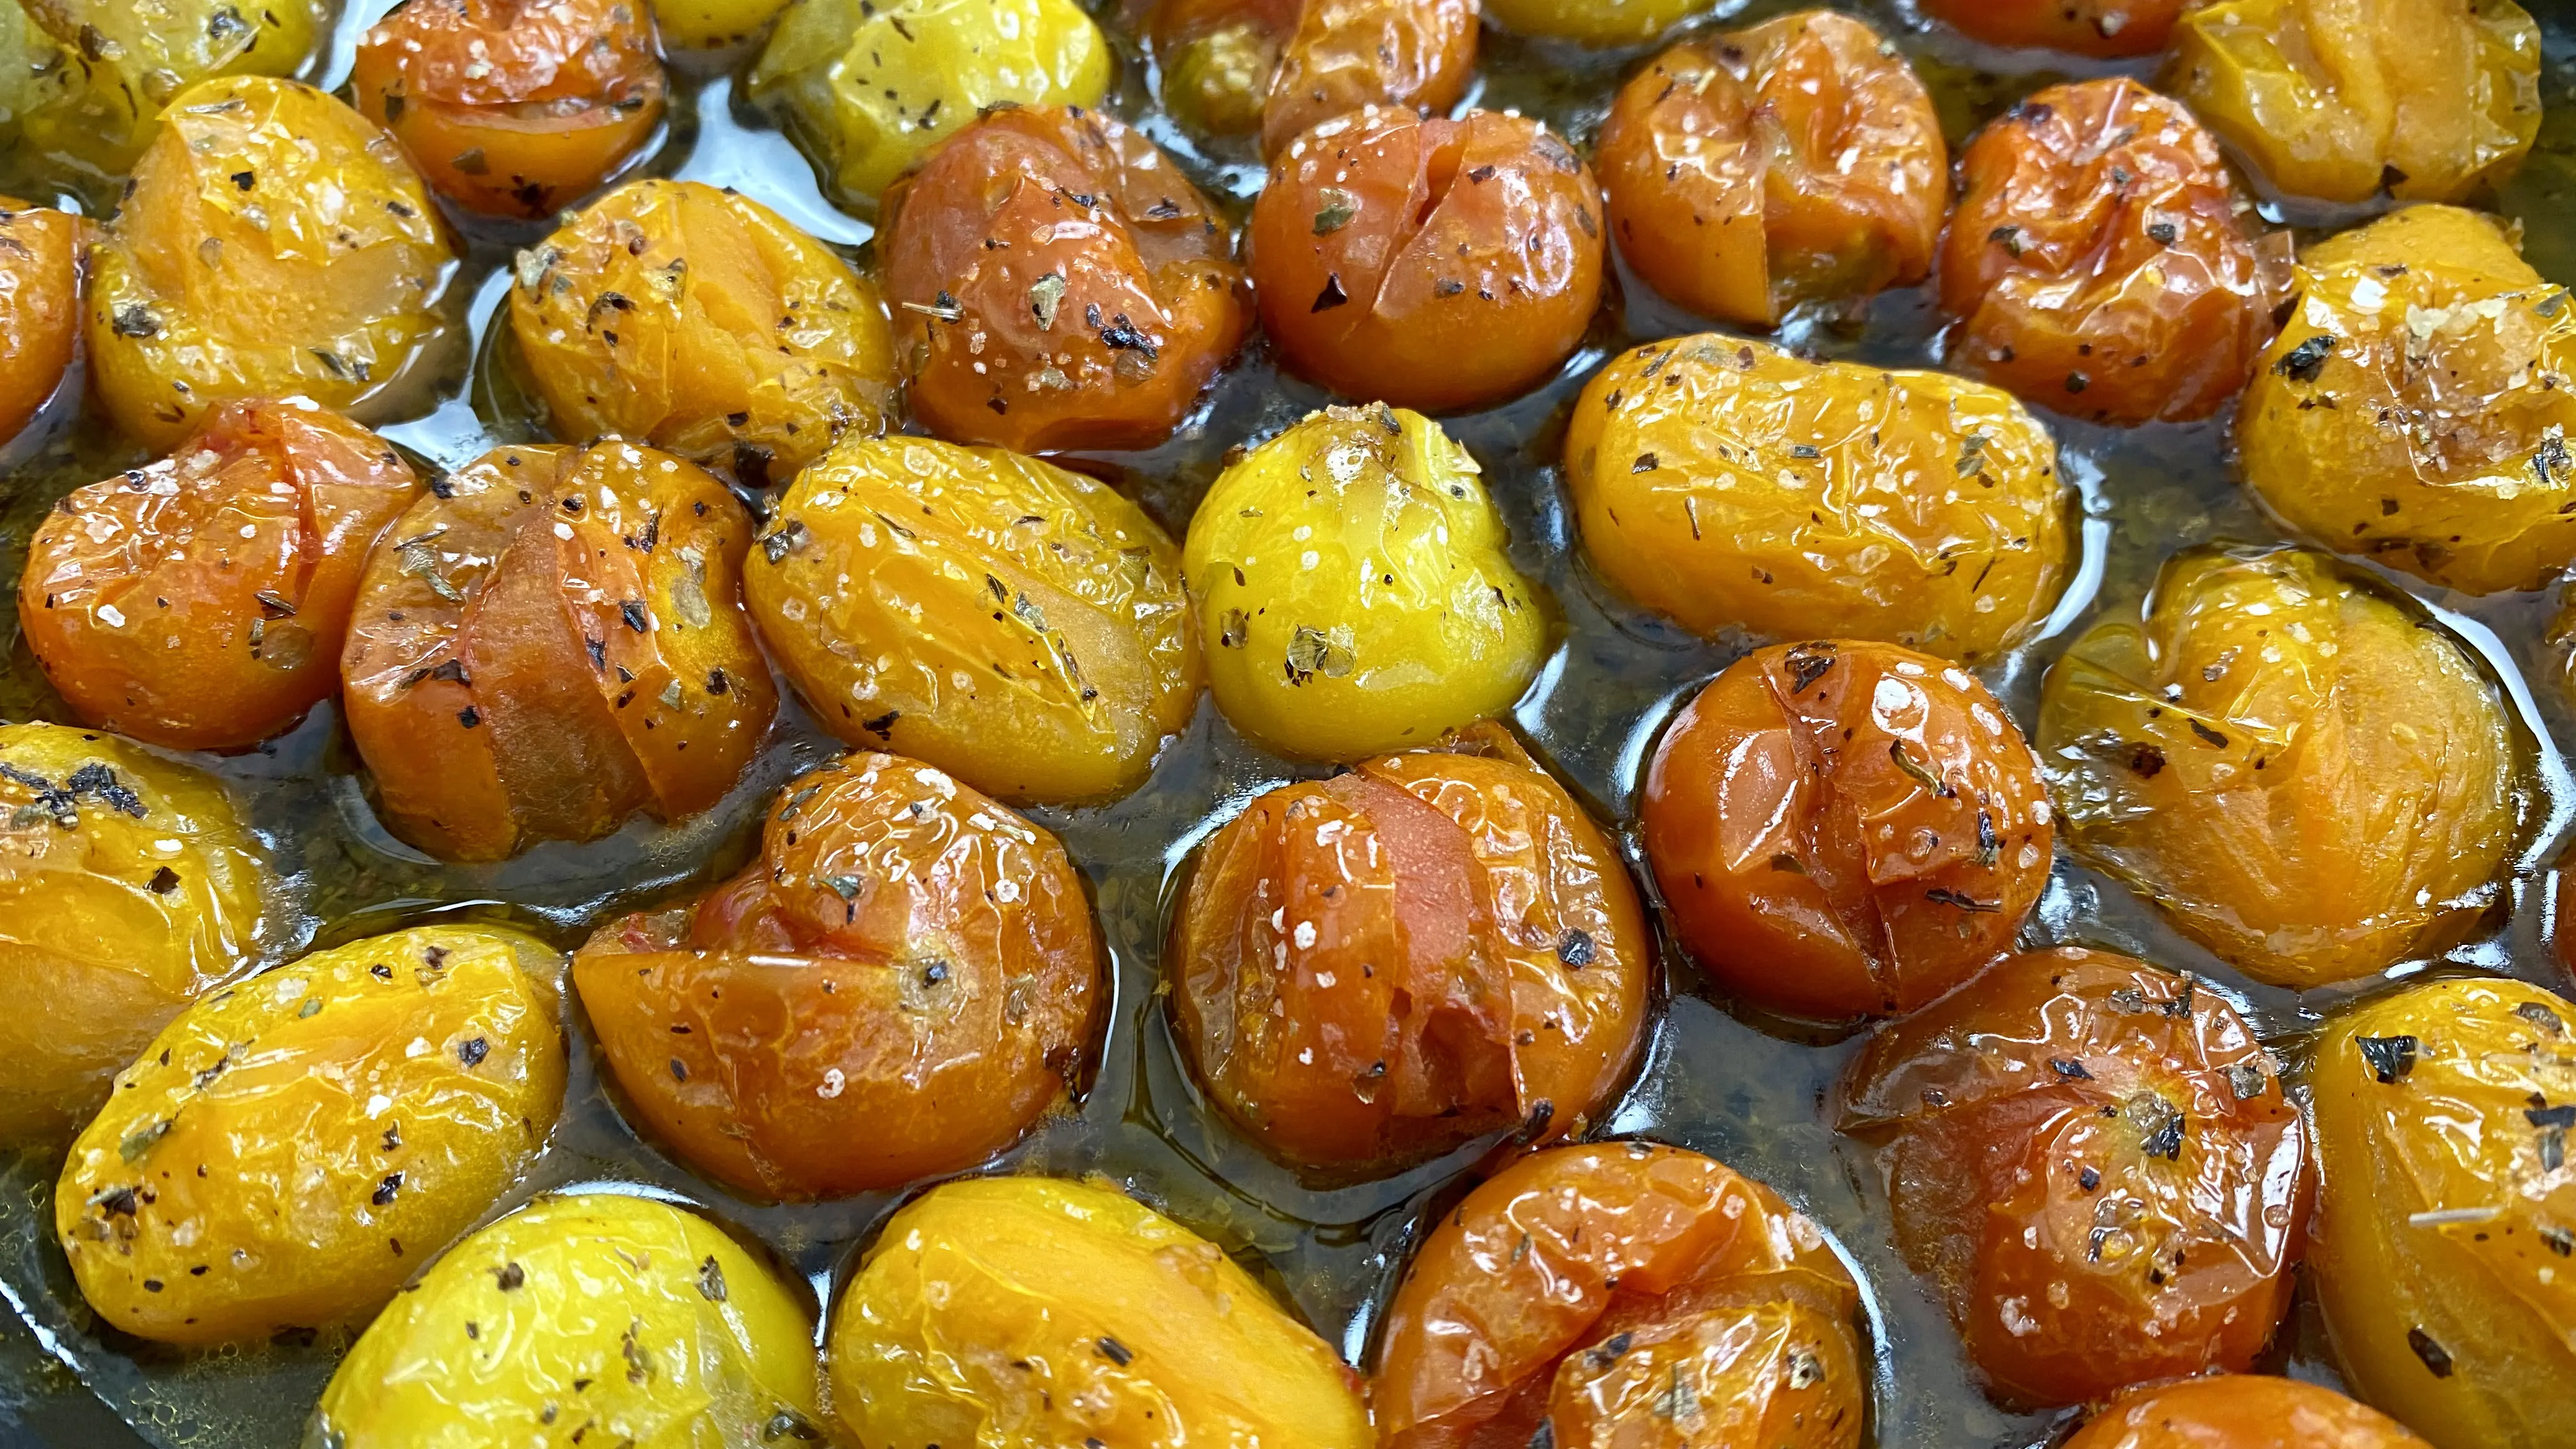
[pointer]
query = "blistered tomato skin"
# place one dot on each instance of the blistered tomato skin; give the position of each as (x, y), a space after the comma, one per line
(200, 602)
(1594, 22)
(1431, 264)
(701, 322)
(284, 1151)
(275, 243)
(40, 284)
(2099, 262)
(128, 885)
(2109, 29)
(1015, 624)
(2448, 1213)
(2427, 99)
(1623, 1293)
(1027, 1312)
(1845, 829)
(2429, 315)
(1732, 485)
(2304, 777)
(513, 107)
(1279, 67)
(614, 1317)
(1376, 968)
(897, 988)
(1353, 592)
(120, 65)
(551, 642)
(2098, 1166)
(1059, 285)
(1795, 160)
(2240, 1411)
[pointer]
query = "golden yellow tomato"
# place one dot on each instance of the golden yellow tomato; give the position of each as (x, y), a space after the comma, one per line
(2239, 1411)
(712, 24)
(121, 63)
(40, 286)
(1595, 22)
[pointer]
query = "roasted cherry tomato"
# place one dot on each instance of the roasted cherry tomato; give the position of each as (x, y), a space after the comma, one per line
(699, 321)
(283, 1154)
(1733, 485)
(2099, 259)
(128, 885)
(513, 107)
(2240, 1411)
(1281, 66)
(1025, 1312)
(106, 69)
(40, 282)
(1432, 264)
(1623, 1293)
(274, 243)
(1061, 285)
(1017, 625)
(2097, 1163)
(1752, 171)
(2427, 99)
(201, 601)
(2449, 1210)
(537, 647)
(2429, 315)
(2309, 778)
(1595, 22)
(609, 1317)
(712, 24)
(895, 989)
(1353, 591)
(1373, 969)
(2110, 29)
(1845, 829)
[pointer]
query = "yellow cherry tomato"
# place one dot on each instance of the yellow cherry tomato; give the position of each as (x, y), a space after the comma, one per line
(712, 24)
(117, 65)
(1595, 22)
(40, 286)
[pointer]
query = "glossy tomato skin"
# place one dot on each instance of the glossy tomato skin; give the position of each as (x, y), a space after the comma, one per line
(200, 602)
(1732, 485)
(2110, 29)
(513, 107)
(2240, 1411)
(2306, 777)
(286, 1149)
(1279, 67)
(1798, 159)
(2442, 1112)
(104, 71)
(1456, 949)
(1595, 22)
(40, 286)
(1028, 1312)
(1032, 320)
(897, 988)
(2097, 1163)
(550, 642)
(2100, 260)
(1622, 1293)
(1431, 264)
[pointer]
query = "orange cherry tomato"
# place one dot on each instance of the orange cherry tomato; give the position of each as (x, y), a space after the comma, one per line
(551, 642)
(1432, 264)
(1845, 829)
(2100, 259)
(1282, 66)
(2106, 28)
(201, 601)
(1797, 159)
(513, 107)
(2240, 1411)
(899, 985)
(1622, 1293)
(1059, 284)
(40, 277)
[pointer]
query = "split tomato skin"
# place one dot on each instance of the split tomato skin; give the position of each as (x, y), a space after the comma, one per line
(2240, 1411)
(40, 307)
(1277, 68)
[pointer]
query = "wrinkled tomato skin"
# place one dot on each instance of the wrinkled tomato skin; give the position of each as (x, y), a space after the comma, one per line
(538, 645)
(2107, 29)
(2099, 260)
(1845, 829)
(1431, 264)
(1795, 160)
(1280, 67)
(513, 107)
(201, 602)
(1457, 949)
(898, 987)
(2240, 1411)
(1029, 320)
(1579, 1288)
(40, 284)
(105, 72)
(2097, 1164)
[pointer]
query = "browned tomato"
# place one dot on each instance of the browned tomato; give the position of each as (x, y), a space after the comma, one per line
(551, 642)
(1282, 66)
(1375, 968)
(1845, 829)
(1622, 1294)
(514, 107)
(39, 307)
(1432, 264)
(2097, 1162)
(201, 602)
(897, 987)
(2107, 28)
(1060, 284)
(2240, 1411)
(2100, 258)
(1798, 159)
